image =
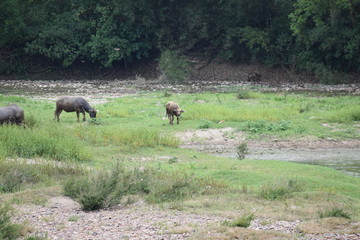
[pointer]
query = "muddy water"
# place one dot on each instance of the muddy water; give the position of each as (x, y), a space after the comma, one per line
(346, 160)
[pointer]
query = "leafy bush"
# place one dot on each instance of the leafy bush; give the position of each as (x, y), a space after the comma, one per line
(243, 221)
(174, 66)
(244, 94)
(279, 189)
(106, 188)
(8, 230)
(241, 151)
(334, 212)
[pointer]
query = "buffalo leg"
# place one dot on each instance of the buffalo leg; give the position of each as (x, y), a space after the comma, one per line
(83, 116)
(177, 118)
(57, 114)
(77, 115)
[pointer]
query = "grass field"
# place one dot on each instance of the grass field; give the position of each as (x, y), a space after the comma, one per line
(130, 132)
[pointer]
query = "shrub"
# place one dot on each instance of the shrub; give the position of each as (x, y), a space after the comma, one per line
(334, 212)
(241, 151)
(174, 66)
(205, 124)
(8, 230)
(279, 189)
(243, 94)
(106, 188)
(243, 221)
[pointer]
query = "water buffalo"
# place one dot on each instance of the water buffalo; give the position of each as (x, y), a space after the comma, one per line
(11, 114)
(172, 109)
(74, 104)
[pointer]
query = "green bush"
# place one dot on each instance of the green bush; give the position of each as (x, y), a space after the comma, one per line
(205, 124)
(8, 230)
(243, 221)
(106, 188)
(334, 212)
(174, 66)
(241, 151)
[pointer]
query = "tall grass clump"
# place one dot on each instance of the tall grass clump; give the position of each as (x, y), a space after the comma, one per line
(12, 99)
(107, 187)
(132, 137)
(279, 189)
(8, 230)
(349, 114)
(174, 66)
(334, 212)
(49, 141)
(18, 175)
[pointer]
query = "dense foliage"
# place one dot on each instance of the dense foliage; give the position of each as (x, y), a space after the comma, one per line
(312, 35)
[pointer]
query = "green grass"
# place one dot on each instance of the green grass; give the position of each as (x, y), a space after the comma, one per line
(131, 129)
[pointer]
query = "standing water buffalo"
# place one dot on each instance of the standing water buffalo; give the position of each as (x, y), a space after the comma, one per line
(74, 104)
(172, 109)
(11, 114)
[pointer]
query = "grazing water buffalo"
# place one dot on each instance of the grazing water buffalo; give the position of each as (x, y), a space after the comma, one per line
(74, 104)
(172, 109)
(11, 114)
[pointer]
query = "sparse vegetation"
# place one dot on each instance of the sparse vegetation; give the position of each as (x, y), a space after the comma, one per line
(8, 230)
(279, 189)
(334, 212)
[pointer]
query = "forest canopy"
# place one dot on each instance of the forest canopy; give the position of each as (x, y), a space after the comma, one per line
(306, 35)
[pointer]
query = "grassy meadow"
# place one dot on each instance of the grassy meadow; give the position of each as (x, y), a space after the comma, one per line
(130, 150)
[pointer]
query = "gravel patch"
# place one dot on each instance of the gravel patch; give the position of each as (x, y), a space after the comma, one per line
(62, 218)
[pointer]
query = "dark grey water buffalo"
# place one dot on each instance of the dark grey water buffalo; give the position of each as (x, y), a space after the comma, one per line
(11, 114)
(172, 109)
(74, 104)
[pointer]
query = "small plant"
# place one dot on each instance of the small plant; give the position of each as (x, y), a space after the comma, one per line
(241, 151)
(30, 121)
(334, 212)
(167, 94)
(243, 94)
(173, 160)
(205, 124)
(261, 126)
(95, 121)
(243, 221)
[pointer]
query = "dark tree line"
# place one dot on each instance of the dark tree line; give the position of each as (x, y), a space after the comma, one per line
(307, 35)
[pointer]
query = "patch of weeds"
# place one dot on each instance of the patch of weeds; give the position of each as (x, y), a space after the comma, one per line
(167, 94)
(243, 221)
(35, 238)
(73, 218)
(241, 151)
(261, 126)
(30, 121)
(243, 94)
(279, 189)
(8, 230)
(205, 124)
(173, 160)
(334, 212)
(95, 121)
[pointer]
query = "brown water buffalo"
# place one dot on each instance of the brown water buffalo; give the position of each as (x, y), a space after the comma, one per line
(11, 114)
(172, 109)
(74, 104)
